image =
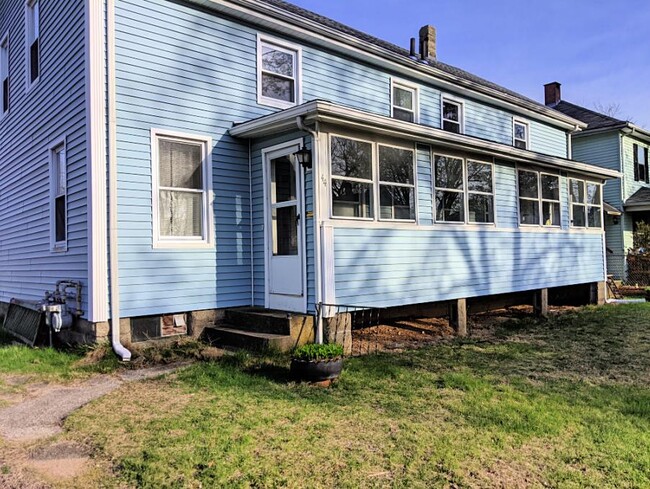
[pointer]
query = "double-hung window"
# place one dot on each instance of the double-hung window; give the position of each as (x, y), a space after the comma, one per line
(33, 42)
(352, 178)
(278, 73)
(539, 198)
(4, 75)
(452, 116)
(58, 193)
(641, 173)
(464, 190)
(396, 184)
(586, 204)
(404, 103)
(520, 134)
(182, 190)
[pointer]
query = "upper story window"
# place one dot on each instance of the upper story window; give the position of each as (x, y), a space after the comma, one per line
(58, 194)
(586, 204)
(539, 198)
(33, 42)
(464, 190)
(404, 102)
(278, 70)
(641, 173)
(4, 75)
(182, 190)
(359, 168)
(521, 134)
(452, 115)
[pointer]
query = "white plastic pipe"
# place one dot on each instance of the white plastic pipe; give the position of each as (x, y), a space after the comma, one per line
(114, 285)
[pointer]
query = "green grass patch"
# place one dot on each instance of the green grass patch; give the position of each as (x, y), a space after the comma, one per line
(562, 403)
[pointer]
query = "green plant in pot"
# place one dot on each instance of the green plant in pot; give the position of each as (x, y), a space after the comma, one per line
(317, 363)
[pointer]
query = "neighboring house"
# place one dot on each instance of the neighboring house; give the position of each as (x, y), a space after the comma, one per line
(180, 124)
(617, 145)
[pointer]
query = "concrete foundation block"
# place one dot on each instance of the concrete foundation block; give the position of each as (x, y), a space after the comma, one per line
(199, 320)
(338, 329)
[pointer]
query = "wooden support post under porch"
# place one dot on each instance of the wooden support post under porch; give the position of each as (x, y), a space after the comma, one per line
(458, 316)
(540, 303)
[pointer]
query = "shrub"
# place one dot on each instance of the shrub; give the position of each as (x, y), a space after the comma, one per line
(313, 352)
(642, 236)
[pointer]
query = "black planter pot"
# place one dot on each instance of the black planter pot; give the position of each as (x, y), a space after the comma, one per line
(317, 370)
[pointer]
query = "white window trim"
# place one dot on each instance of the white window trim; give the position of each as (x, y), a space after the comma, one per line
(375, 182)
(28, 28)
(287, 46)
(521, 122)
(586, 227)
(58, 246)
(465, 191)
(404, 85)
(5, 41)
(208, 239)
(540, 199)
(461, 104)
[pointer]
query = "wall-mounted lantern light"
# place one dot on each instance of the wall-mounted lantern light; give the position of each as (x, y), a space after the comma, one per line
(304, 157)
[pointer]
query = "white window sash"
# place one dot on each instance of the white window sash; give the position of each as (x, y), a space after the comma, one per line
(296, 52)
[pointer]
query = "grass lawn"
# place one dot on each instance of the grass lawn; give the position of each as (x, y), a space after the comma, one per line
(564, 403)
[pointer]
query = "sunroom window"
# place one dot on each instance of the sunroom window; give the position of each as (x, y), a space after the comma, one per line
(352, 181)
(528, 197)
(539, 198)
(586, 204)
(480, 197)
(396, 184)
(278, 72)
(450, 189)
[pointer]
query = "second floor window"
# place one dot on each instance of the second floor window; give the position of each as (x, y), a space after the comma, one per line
(520, 134)
(278, 74)
(404, 102)
(452, 116)
(641, 164)
(4, 75)
(33, 41)
(59, 208)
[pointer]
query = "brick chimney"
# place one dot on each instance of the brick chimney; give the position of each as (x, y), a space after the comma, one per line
(428, 42)
(552, 94)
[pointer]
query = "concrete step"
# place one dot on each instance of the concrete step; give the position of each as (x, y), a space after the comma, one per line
(260, 320)
(228, 335)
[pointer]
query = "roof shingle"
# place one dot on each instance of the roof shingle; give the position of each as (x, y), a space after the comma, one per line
(595, 120)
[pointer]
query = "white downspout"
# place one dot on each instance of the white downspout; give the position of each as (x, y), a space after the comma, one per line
(317, 230)
(114, 284)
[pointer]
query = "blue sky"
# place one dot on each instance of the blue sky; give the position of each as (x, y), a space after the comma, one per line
(597, 49)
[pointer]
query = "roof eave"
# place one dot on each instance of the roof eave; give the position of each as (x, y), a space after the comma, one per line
(293, 24)
(327, 112)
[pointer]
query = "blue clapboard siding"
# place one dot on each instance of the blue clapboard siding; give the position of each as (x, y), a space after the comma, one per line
(389, 267)
(54, 108)
(425, 185)
(547, 139)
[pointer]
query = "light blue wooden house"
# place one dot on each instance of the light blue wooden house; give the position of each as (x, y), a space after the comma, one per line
(622, 146)
(154, 150)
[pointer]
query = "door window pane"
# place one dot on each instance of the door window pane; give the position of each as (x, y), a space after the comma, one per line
(450, 206)
(529, 211)
(283, 180)
(285, 231)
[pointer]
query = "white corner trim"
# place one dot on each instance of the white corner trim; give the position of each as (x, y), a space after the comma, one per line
(96, 162)
(291, 48)
(208, 238)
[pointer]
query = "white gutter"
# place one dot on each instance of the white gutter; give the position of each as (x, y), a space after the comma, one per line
(327, 112)
(278, 19)
(114, 284)
(317, 225)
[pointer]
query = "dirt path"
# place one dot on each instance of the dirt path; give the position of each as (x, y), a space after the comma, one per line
(42, 416)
